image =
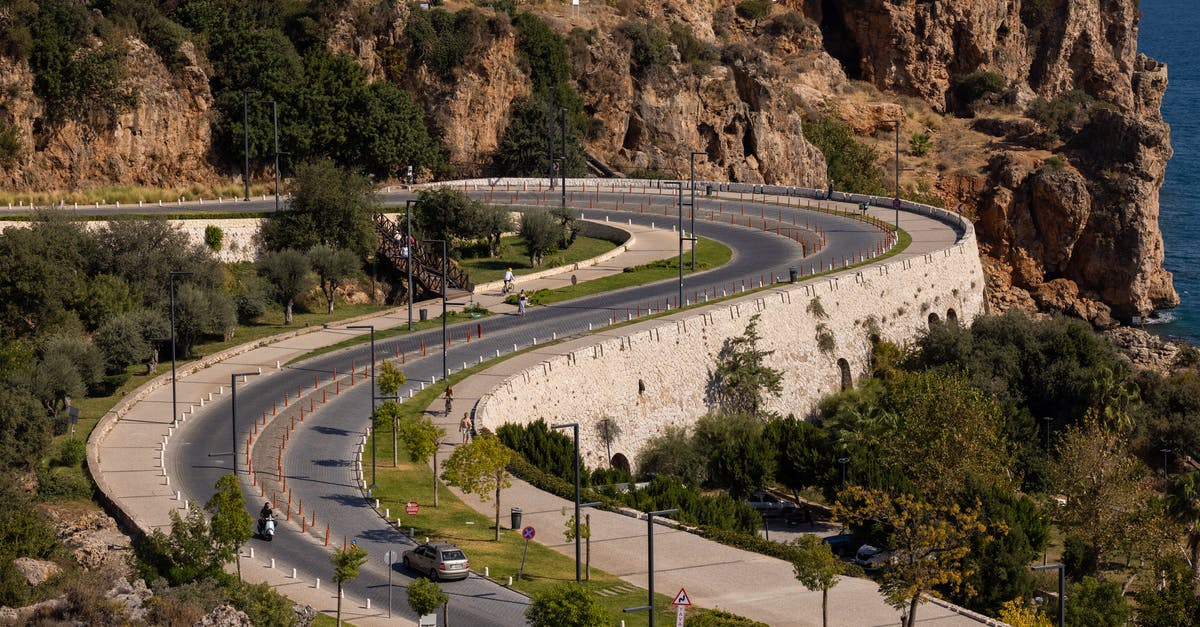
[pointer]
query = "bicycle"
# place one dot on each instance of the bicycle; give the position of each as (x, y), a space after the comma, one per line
(507, 288)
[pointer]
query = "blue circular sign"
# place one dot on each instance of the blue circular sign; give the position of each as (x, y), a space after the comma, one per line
(528, 533)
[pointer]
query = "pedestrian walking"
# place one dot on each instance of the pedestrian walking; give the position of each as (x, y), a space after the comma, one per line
(464, 426)
(449, 399)
(522, 300)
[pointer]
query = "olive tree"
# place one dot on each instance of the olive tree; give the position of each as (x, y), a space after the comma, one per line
(231, 524)
(333, 266)
(290, 275)
(480, 467)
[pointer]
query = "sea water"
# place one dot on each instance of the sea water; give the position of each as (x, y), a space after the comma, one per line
(1168, 32)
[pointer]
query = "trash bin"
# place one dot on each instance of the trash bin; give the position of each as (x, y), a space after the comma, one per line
(516, 517)
(793, 274)
(708, 190)
(424, 314)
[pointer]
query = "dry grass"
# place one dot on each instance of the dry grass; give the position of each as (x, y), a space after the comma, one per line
(128, 195)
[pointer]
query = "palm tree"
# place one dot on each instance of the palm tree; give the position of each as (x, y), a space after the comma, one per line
(1183, 503)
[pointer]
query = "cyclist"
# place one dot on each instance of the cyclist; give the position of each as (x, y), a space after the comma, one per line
(508, 281)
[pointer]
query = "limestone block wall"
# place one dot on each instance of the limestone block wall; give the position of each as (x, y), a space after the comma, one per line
(653, 375)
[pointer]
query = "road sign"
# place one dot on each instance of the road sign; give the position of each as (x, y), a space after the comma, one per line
(411, 508)
(528, 533)
(895, 203)
(681, 599)
(389, 558)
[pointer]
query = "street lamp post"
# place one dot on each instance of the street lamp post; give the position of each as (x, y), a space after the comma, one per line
(408, 261)
(1062, 590)
(896, 199)
(1048, 420)
(174, 408)
(445, 368)
(843, 461)
(575, 435)
(233, 412)
(246, 142)
(650, 562)
(275, 123)
(1165, 452)
(371, 328)
(679, 205)
(562, 171)
(692, 227)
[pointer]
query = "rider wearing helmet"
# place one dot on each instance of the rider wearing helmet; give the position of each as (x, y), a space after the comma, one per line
(266, 511)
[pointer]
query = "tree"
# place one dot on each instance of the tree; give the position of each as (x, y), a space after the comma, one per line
(200, 311)
(420, 438)
(798, 446)
(566, 605)
(330, 206)
(333, 267)
(1104, 486)
(121, 342)
(480, 467)
(185, 555)
(1097, 604)
(850, 164)
(494, 222)
(447, 214)
(742, 380)
(1018, 613)
(585, 534)
(41, 270)
(389, 379)
(1174, 601)
(346, 563)
(566, 222)
(817, 568)
(1183, 504)
(425, 596)
(231, 524)
(290, 275)
(24, 430)
(608, 430)
(928, 542)
(541, 234)
(737, 458)
(672, 454)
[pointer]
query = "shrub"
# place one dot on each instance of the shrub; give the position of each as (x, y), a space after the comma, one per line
(1062, 114)
(261, 603)
(72, 452)
(551, 451)
(788, 23)
(753, 9)
(10, 143)
(850, 164)
(919, 144)
(719, 618)
(971, 87)
(213, 237)
(1079, 558)
(699, 54)
(649, 47)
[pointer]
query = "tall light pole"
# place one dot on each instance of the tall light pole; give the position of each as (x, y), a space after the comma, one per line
(246, 141)
(1048, 420)
(174, 407)
(678, 185)
(650, 562)
(843, 461)
(550, 132)
(408, 262)
(896, 199)
(275, 123)
(1062, 590)
(445, 368)
(371, 328)
(575, 435)
(233, 412)
(692, 227)
(563, 169)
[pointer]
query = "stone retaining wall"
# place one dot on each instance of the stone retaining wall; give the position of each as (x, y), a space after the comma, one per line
(654, 375)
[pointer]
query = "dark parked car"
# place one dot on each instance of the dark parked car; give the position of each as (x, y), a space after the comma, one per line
(844, 544)
(438, 560)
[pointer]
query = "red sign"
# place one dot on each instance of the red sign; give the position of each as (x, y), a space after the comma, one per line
(528, 533)
(411, 508)
(681, 599)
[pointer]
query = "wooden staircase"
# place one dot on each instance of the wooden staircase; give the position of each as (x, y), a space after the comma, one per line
(426, 264)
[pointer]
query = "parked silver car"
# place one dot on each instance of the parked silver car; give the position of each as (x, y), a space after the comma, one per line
(872, 558)
(441, 561)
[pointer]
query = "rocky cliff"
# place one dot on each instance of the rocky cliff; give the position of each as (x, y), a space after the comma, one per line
(1067, 216)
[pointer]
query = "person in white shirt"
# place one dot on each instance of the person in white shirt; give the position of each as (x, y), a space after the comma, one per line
(508, 280)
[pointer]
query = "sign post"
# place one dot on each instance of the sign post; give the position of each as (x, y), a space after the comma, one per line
(527, 533)
(412, 508)
(681, 604)
(389, 558)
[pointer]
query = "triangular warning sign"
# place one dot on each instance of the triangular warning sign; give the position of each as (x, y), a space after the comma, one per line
(681, 598)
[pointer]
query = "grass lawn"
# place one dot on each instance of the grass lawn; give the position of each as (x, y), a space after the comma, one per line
(514, 254)
(709, 254)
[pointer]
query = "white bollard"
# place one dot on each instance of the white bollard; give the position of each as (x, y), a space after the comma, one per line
(178, 495)
(293, 573)
(251, 552)
(342, 593)
(166, 477)
(260, 370)
(221, 391)
(368, 604)
(554, 336)
(387, 513)
(277, 364)
(272, 563)
(589, 326)
(187, 506)
(514, 348)
(510, 581)
(376, 503)
(485, 571)
(318, 583)
(410, 392)
(497, 352)
(535, 341)
(422, 385)
(426, 539)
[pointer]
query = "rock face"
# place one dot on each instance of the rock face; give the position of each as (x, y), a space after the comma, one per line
(1065, 225)
(225, 616)
(35, 571)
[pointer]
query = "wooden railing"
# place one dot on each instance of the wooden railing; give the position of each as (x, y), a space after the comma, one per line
(426, 263)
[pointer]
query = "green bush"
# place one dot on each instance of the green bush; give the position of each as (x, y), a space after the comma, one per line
(72, 452)
(699, 54)
(850, 164)
(10, 143)
(719, 618)
(1062, 114)
(971, 87)
(261, 603)
(551, 451)
(753, 9)
(919, 144)
(63, 483)
(214, 236)
(650, 48)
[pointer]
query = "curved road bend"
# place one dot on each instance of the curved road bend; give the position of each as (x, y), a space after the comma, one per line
(319, 458)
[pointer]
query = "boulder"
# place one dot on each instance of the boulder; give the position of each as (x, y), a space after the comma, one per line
(34, 571)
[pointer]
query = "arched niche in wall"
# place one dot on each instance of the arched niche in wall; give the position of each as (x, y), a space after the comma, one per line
(934, 320)
(952, 316)
(619, 461)
(847, 380)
